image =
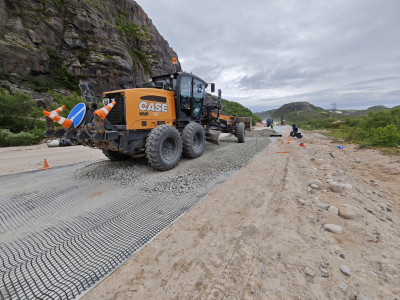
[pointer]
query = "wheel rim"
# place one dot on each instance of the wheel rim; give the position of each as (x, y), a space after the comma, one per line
(168, 148)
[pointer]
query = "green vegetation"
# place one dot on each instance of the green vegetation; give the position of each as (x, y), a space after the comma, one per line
(68, 101)
(22, 121)
(379, 128)
(7, 138)
(83, 56)
(58, 77)
(110, 57)
(4, 76)
(234, 108)
(59, 5)
(136, 37)
(19, 120)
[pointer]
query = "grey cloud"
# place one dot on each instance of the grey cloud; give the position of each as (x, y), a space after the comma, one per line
(316, 51)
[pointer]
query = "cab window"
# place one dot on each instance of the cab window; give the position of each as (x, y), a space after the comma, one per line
(186, 93)
(198, 97)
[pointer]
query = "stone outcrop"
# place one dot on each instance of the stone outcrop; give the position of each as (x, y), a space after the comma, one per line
(110, 44)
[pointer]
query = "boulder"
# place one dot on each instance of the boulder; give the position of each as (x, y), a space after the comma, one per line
(333, 210)
(333, 228)
(324, 206)
(337, 187)
(315, 183)
(314, 186)
(345, 270)
(348, 211)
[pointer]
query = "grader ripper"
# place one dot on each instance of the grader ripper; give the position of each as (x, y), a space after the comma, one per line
(163, 120)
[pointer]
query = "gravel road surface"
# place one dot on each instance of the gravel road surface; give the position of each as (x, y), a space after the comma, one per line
(64, 229)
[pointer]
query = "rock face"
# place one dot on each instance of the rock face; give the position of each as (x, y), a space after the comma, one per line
(110, 44)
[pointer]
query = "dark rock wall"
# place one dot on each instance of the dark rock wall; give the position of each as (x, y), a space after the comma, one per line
(90, 39)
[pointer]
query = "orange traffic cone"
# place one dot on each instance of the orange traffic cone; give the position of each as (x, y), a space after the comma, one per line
(64, 122)
(103, 112)
(58, 110)
(45, 165)
(288, 140)
(281, 142)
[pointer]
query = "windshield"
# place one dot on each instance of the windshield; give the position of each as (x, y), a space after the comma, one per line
(165, 83)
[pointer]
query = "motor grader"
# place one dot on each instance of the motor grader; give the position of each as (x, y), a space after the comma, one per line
(165, 118)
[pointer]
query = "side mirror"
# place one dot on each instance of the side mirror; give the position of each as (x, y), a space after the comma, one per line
(212, 87)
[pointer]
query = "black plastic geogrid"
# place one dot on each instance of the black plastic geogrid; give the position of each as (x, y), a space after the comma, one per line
(61, 233)
(48, 250)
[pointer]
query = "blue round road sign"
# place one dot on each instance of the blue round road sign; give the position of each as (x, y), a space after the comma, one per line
(77, 114)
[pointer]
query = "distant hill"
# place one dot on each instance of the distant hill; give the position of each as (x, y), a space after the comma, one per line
(377, 107)
(362, 112)
(296, 112)
(304, 111)
(265, 114)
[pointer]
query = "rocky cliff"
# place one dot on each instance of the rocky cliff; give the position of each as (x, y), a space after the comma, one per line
(112, 44)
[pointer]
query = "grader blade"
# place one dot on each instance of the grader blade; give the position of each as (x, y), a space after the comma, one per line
(212, 136)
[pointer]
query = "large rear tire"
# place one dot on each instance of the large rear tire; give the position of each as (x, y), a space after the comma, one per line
(240, 132)
(163, 147)
(193, 138)
(115, 155)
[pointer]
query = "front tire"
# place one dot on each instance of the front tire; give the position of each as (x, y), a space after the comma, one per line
(240, 132)
(194, 139)
(163, 147)
(115, 155)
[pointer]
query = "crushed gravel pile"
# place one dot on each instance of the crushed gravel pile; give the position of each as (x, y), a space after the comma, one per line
(216, 164)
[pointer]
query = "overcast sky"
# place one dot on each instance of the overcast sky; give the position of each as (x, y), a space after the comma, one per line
(265, 53)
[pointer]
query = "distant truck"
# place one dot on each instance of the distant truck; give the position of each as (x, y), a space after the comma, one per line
(270, 122)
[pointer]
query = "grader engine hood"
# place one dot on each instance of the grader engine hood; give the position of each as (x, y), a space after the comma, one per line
(142, 108)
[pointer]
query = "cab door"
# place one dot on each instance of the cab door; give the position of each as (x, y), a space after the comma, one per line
(185, 97)
(191, 98)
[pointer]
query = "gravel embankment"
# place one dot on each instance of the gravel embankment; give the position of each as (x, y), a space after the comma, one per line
(216, 163)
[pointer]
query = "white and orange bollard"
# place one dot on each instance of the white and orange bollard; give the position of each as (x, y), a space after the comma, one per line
(58, 110)
(103, 112)
(64, 122)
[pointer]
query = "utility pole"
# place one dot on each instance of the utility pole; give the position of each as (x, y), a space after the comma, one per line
(333, 110)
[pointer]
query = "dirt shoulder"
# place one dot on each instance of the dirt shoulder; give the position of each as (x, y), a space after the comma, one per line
(260, 234)
(29, 158)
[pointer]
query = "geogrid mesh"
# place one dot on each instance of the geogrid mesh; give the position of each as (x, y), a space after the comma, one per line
(64, 229)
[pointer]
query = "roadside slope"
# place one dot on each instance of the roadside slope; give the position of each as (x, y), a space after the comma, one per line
(260, 234)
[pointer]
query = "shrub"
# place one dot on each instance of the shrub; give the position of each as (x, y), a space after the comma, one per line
(378, 128)
(7, 138)
(68, 101)
(385, 136)
(18, 112)
(235, 108)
